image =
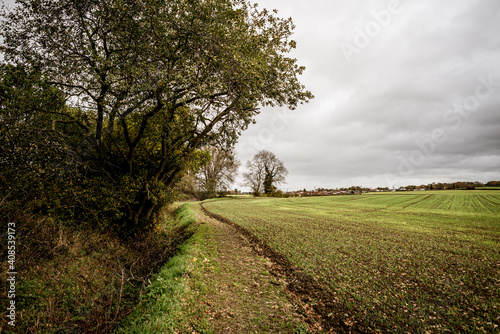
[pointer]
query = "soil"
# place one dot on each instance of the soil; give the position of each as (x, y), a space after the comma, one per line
(317, 305)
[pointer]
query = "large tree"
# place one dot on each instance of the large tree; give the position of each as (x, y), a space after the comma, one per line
(150, 82)
(264, 172)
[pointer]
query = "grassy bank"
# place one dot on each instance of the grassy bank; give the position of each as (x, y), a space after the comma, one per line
(77, 281)
(167, 304)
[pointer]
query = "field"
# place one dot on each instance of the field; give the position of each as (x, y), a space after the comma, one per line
(398, 262)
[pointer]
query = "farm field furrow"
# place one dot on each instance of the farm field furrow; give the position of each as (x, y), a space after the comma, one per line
(416, 262)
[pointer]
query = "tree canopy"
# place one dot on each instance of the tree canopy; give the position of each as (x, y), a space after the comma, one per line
(150, 82)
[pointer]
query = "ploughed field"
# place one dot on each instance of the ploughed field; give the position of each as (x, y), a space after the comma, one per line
(417, 261)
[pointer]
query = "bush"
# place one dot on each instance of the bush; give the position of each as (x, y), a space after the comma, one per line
(276, 193)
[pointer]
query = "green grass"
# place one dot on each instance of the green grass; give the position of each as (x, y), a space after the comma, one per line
(166, 306)
(426, 261)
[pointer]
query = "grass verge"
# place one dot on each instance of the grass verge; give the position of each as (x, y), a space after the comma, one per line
(167, 306)
(214, 284)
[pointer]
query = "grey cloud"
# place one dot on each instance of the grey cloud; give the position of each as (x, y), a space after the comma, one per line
(372, 113)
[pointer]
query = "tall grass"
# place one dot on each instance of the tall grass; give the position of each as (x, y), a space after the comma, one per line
(78, 280)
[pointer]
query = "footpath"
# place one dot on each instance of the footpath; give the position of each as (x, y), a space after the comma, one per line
(241, 295)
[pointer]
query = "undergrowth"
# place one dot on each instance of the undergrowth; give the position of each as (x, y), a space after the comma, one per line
(80, 281)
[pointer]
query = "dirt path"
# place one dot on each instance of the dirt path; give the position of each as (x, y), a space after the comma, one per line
(239, 294)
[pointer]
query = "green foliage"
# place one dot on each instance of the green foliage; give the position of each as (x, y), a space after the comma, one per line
(32, 152)
(163, 307)
(146, 85)
(276, 193)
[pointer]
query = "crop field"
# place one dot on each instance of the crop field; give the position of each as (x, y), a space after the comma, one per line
(398, 262)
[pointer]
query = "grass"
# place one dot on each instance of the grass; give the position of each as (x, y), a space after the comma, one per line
(415, 262)
(165, 307)
(72, 280)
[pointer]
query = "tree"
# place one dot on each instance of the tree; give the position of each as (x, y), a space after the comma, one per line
(150, 83)
(265, 172)
(30, 150)
(188, 187)
(216, 177)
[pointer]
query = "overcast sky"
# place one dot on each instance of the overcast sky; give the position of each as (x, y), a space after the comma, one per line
(406, 92)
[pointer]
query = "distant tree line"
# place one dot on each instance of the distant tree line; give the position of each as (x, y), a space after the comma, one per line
(431, 186)
(493, 184)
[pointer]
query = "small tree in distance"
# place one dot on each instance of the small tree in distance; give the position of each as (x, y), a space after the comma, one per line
(216, 177)
(265, 172)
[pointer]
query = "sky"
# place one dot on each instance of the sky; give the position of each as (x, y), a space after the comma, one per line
(406, 92)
